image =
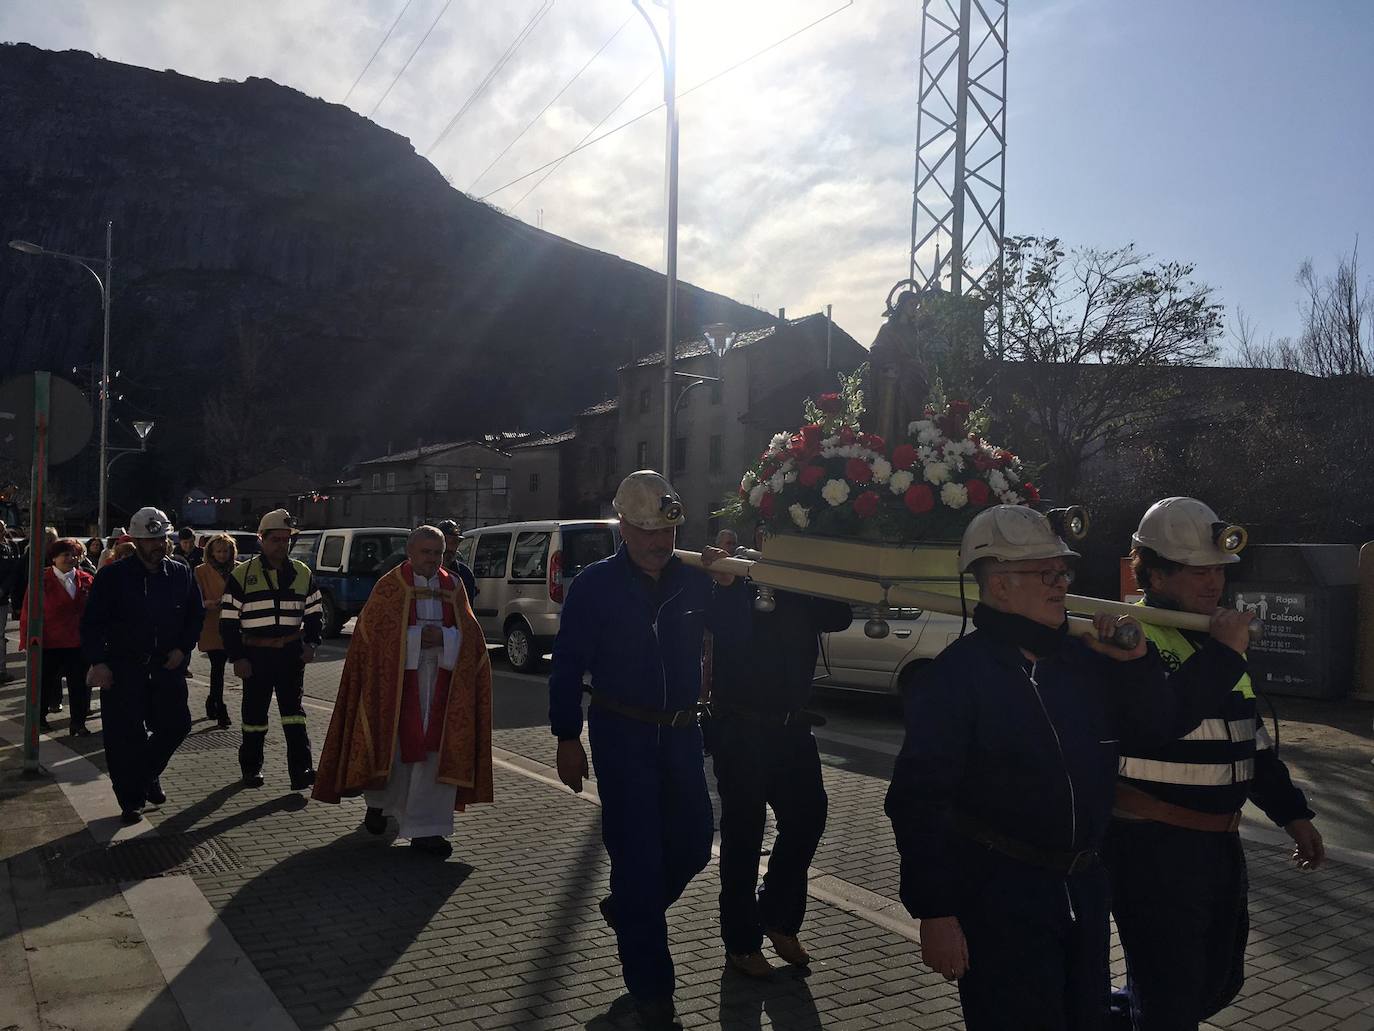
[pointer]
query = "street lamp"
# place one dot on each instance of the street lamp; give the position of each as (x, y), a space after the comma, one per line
(141, 428)
(668, 55)
(25, 247)
(719, 338)
(476, 487)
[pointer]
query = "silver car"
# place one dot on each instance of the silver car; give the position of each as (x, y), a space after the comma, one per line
(851, 660)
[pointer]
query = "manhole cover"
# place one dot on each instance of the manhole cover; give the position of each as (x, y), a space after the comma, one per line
(138, 859)
(209, 740)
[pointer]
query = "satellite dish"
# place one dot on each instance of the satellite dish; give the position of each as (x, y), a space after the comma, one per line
(70, 420)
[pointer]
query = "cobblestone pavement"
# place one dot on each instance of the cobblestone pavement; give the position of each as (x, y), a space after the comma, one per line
(353, 931)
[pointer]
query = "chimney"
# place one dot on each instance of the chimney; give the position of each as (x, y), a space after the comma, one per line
(782, 315)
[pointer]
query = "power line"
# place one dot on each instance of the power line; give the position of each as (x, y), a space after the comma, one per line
(501, 62)
(447, 4)
(377, 51)
(684, 93)
(559, 163)
(566, 86)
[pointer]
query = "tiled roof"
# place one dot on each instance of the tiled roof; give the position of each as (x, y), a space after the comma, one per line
(546, 440)
(427, 449)
(694, 347)
(602, 407)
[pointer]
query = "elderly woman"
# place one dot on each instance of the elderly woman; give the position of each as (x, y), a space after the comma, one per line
(220, 555)
(65, 590)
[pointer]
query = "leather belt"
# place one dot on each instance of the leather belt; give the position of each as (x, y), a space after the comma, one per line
(795, 718)
(1046, 859)
(265, 641)
(661, 717)
(1131, 801)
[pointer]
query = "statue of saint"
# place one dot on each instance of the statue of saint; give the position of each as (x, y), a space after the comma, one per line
(898, 380)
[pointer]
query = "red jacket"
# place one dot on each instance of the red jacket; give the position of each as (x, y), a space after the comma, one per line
(61, 613)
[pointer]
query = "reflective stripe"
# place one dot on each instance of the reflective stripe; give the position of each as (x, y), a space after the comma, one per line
(228, 615)
(252, 728)
(1222, 730)
(293, 721)
(270, 604)
(258, 622)
(1186, 773)
(1262, 738)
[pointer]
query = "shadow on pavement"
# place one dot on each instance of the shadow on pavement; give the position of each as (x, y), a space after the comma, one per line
(785, 999)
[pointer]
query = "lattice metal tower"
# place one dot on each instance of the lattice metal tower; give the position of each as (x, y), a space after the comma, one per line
(961, 137)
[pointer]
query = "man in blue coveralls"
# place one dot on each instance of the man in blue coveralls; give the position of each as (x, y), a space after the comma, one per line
(635, 622)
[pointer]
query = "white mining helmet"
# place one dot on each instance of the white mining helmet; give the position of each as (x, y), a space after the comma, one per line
(1011, 533)
(149, 524)
(646, 500)
(1186, 531)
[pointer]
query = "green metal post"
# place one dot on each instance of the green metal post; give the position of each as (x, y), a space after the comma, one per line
(33, 602)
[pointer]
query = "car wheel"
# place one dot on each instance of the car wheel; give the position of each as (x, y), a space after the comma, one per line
(520, 650)
(333, 624)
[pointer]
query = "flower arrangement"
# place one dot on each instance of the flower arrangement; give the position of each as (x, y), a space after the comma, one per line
(831, 478)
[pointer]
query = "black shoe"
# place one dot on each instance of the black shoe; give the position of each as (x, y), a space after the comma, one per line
(375, 820)
(155, 793)
(657, 1013)
(43, 723)
(434, 846)
(210, 712)
(301, 781)
(253, 780)
(130, 816)
(79, 730)
(605, 906)
(55, 708)
(224, 722)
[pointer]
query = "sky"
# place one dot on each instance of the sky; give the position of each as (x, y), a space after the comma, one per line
(1235, 135)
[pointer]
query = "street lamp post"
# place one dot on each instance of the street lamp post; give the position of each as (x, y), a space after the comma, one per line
(142, 429)
(104, 282)
(476, 489)
(668, 55)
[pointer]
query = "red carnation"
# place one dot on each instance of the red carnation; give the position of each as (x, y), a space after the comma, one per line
(811, 475)
(846, 435)
(766, 505)
(1004, 457)
(830, 404)
(856, 470)
(977, 493)
(903, 456)
(866, 504)
(919, 499)
(982, 462)
(1032, 494)
(873, 442)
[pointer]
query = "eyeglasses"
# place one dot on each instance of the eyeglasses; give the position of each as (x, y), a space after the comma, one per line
(1048, 577)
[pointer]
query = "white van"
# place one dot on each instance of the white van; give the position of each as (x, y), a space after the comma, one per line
(523, 571)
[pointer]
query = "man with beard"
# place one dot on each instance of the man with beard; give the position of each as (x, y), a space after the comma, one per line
(141, 622)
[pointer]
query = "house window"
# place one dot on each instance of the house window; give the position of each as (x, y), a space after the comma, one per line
(715, 392)
(717, 446)
(642, 455)
(348, 505)
(390, 482)
(534, 483)
(441, 483)
(644, 400)
(498, 483)
(610, 461)
(376, 481)
(679, 454)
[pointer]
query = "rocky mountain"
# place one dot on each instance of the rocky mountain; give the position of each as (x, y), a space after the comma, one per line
(292, 280)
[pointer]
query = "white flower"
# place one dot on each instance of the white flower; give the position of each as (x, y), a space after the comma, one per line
(779, 441)
(997, 481)
(960, 447)
(756, 495)
(827, 452)
(924, 453)
(937, 472)
(747, 483)
(955, 495)
(836, 492)
(799, 515)
(882, 469)
(775, 483)
(900, 482)
(1011, 498)
(955, 460)
(790, 476)
(927, 433)
(919, 426)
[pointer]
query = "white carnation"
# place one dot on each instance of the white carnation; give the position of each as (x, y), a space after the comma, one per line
(997, 481)
(827, 452)
(919, 426)
(779, 441)
(937, 472)
(1011, 498)
(955, 495)
(928, 433)
(955, 460)
(775, 482)
(757, 493)
(799, 515)
(901, 481)
(882, 469)
(748, 481)
(836, 492)
(790, 477)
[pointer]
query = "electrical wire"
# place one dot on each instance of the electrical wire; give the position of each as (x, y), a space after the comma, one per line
(423, 39)
(520, 135)
(501, 62)
(639, 117)
(377, 51)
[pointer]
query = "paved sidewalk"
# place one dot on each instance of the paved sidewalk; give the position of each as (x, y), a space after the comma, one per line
(353, 931)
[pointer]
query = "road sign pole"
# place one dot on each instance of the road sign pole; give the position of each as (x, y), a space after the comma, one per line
(33, 602)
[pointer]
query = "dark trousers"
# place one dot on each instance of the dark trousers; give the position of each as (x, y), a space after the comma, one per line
(758, 767)
(68, 663)
(145, 718)
(278, 671)
(1180, 901)
(656, 825)
(1037, 945)
(214, 705)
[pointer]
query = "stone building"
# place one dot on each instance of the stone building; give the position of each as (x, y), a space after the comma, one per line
(468, 481)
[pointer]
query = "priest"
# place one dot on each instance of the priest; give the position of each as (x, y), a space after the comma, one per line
(411, 729)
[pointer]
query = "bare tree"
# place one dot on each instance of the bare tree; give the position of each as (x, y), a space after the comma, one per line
(1090, 332)
(242, 430)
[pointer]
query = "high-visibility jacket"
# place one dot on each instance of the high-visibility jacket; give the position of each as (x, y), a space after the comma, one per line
(1228, 757)
(260, 602)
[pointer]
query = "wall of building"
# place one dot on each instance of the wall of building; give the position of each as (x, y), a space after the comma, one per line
(536, 482)
(442, 485)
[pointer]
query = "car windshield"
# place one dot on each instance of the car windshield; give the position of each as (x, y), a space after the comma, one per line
(583, 545)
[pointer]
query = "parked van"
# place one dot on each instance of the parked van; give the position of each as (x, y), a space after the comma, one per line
(852, 661)
(523, 571)
(346, 564)
(246, 541)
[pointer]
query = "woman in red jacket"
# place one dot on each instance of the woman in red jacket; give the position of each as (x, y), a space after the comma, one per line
(65, 590)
